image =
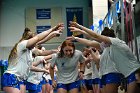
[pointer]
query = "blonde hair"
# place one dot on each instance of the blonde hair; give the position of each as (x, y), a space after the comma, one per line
(26, 35)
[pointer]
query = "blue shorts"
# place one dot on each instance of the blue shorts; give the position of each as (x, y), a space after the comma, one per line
(111, 78)
(50, 82)
(39, 88)
(69, 86)
(96, 81)
(22, 82)
(10, 80)
(131, 78)
(82, 82)
(33, 88)
(43, 81)
(89, 83)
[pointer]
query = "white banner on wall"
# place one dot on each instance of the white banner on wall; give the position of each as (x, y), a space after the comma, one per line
(41, 19)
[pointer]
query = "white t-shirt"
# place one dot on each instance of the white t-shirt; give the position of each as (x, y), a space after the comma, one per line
(47, 76)
(67, 67)
(20, 65)
(107, 65)
(36, 77)
(124, 59)
(88, 72)
(95, 72)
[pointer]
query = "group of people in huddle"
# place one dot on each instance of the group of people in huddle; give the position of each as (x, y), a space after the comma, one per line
(101, 67)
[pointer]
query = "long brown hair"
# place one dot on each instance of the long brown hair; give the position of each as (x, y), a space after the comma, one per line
(64, 44)
(26, 35)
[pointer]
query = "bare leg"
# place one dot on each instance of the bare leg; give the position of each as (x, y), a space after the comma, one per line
(22, 88)
(61, 90)
(133, 87)
(44, 88)
(83, 89)
(75, 90)
(49, 88)
(97, 88)
(103, 89)
(11, 90)
(111, 88)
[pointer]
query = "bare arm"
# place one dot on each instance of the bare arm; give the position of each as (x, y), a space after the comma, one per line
(87, 60)
(82, 66)
(42, 61)
(42, 35)
(86, 42)
(48, 57)
(45, 52)
(97, 36)
(50, 36)
(95, 57)
(37, 69)
(51, 70)
(73, 29)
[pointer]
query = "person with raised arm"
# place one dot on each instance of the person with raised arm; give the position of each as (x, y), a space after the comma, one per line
(67, 61)
(116, 59)
(20, 58)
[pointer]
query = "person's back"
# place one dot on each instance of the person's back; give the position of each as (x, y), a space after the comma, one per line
(125, 60)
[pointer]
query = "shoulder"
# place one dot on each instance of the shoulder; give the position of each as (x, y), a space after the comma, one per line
(22, 45)
(55, 55)
(78, 52)
(24, 42)
(39, 57)
(116, 41)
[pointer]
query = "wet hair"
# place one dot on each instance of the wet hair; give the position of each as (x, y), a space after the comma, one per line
(64, 44)
(108, 32)
(27, 34)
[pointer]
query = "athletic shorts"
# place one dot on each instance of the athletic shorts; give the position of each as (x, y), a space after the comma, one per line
(89, 83)
(10, 80)
(23, 82)
(33, 88)
(43, 81)
(69, 86)
(111, 78)
(96, 81)
(131, 78)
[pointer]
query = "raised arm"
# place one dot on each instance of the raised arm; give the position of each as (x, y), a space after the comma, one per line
(42, 61)
(95, 56)
(48, 52)
(50, 36)
(74, 29)
(39, 37)
(95, 35)
(86, 42)
(37, 69)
